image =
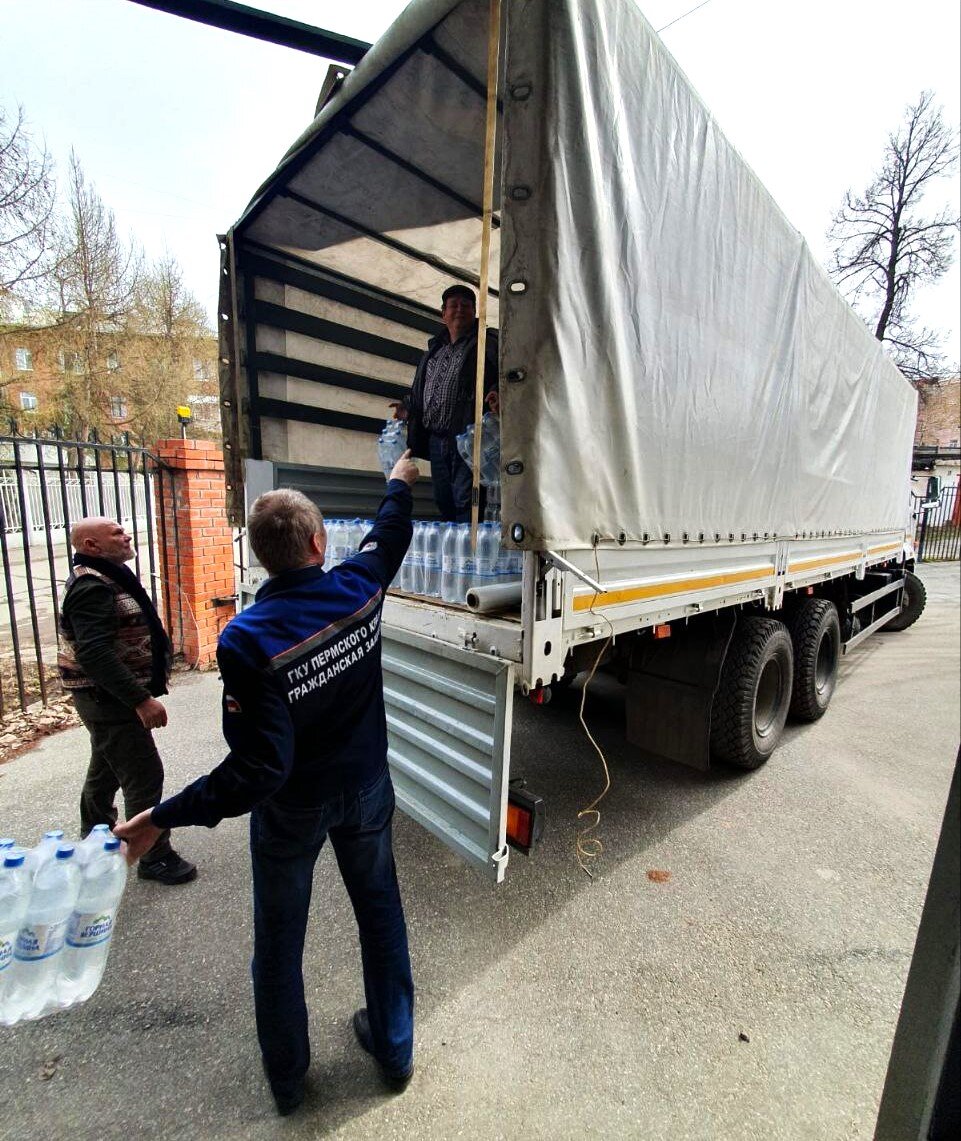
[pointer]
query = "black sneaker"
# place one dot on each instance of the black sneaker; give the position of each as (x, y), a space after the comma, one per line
(393, 1079)
(170, 869)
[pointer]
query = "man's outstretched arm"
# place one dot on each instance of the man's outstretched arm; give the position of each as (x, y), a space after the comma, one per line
(260, 734)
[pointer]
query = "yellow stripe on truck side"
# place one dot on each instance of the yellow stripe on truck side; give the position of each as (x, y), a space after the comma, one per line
(814, 564)
(847, 557)
(885, 547)
(661, 589)
(588, 601)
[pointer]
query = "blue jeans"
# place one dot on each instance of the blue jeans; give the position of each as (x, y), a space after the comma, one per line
(284, 845)
(451, 478)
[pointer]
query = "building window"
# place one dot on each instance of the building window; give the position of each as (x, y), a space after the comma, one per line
(23, 360)
(113, 362)
(201, 369)
(71, 362)
(118, 408)
(28, 402)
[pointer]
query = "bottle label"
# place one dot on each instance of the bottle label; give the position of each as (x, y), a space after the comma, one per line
(7, 940)
(40, 940)
(88, 928)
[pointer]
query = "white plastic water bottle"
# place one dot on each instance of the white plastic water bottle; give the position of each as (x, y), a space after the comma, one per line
(7, 842)
(463, 563)
(332, 526)
(432, 560)
(91, 924)
(40, 940)
(383, 448)
(44, 851)
(92, 844)
(417, 558)
(490, 450)
(355, 534)
(488, 549)
(465, 446)
(407, 569)
(14, 897)
(448, 563)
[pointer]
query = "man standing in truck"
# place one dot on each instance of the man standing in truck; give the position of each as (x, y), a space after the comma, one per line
(303, 715)
(440, 404)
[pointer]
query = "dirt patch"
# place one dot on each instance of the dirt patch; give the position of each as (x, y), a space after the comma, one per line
(21, 731)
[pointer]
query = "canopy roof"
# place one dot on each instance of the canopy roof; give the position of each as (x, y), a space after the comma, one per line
(386, 183)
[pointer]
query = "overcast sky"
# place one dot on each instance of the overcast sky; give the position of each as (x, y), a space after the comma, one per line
(177, 124)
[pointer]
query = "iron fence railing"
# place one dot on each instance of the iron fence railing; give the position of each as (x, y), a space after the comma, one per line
(65, 497)
(47, 484)
(938, 533)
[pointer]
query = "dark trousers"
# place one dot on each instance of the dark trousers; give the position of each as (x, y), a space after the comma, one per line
(122, 756)
(451, 478)
(284, 846)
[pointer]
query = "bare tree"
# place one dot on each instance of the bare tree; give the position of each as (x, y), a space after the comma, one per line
(884, 247)
(170, 351)
(96, 287)
(27, 204)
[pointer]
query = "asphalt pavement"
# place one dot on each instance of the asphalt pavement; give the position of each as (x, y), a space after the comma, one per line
(734, 970)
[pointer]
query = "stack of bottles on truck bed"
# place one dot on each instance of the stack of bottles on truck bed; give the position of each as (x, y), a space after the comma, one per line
(58, 902)
(440, 562)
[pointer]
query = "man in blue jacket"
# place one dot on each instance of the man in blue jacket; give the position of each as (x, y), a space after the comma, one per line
(303, 715)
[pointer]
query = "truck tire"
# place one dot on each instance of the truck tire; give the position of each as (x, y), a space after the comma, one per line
(816, 638)
(913, 598)
(754, 693)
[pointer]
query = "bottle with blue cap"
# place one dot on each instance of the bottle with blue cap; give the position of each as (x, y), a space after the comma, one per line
(92, 844)
(91, 924)
(32, 989)
(14, 897)
(44, 851)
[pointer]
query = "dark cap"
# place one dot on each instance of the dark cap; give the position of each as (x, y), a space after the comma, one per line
(458, 291)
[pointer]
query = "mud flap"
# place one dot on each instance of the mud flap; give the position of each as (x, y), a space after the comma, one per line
(671, 687)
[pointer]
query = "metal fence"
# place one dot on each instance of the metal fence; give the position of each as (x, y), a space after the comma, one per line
(938, 535)
(46, 485)
(64, 497)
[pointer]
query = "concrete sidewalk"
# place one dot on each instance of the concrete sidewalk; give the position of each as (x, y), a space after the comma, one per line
(753, 994)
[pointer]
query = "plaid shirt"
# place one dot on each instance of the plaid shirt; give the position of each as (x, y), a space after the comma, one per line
(440, 383)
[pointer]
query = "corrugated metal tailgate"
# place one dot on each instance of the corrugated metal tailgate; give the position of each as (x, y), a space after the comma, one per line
(449, 731)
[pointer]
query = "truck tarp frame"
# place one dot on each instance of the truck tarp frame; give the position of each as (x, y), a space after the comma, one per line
(266, 26)
(675, 365)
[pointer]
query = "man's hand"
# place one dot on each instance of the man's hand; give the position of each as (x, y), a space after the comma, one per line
(152, 714)
(406, 469)
(494, 401)
(140, 833)
(400, 409)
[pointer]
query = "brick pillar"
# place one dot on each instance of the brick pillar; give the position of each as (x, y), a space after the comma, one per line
(196, 544)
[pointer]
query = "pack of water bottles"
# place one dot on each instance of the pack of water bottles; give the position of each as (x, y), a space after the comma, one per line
(440, 562)
(344, 537)
(490, 449)
(58, 903)
(391, 445)
(490, 466)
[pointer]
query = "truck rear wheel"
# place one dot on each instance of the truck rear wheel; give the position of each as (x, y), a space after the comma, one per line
(913, 599)
(754, 693)
(816, 637)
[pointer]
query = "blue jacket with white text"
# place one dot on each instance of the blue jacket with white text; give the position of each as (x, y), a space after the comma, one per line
(303, 702)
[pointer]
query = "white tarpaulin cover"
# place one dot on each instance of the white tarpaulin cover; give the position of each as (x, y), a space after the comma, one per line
(686, 365)
(689, 366)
